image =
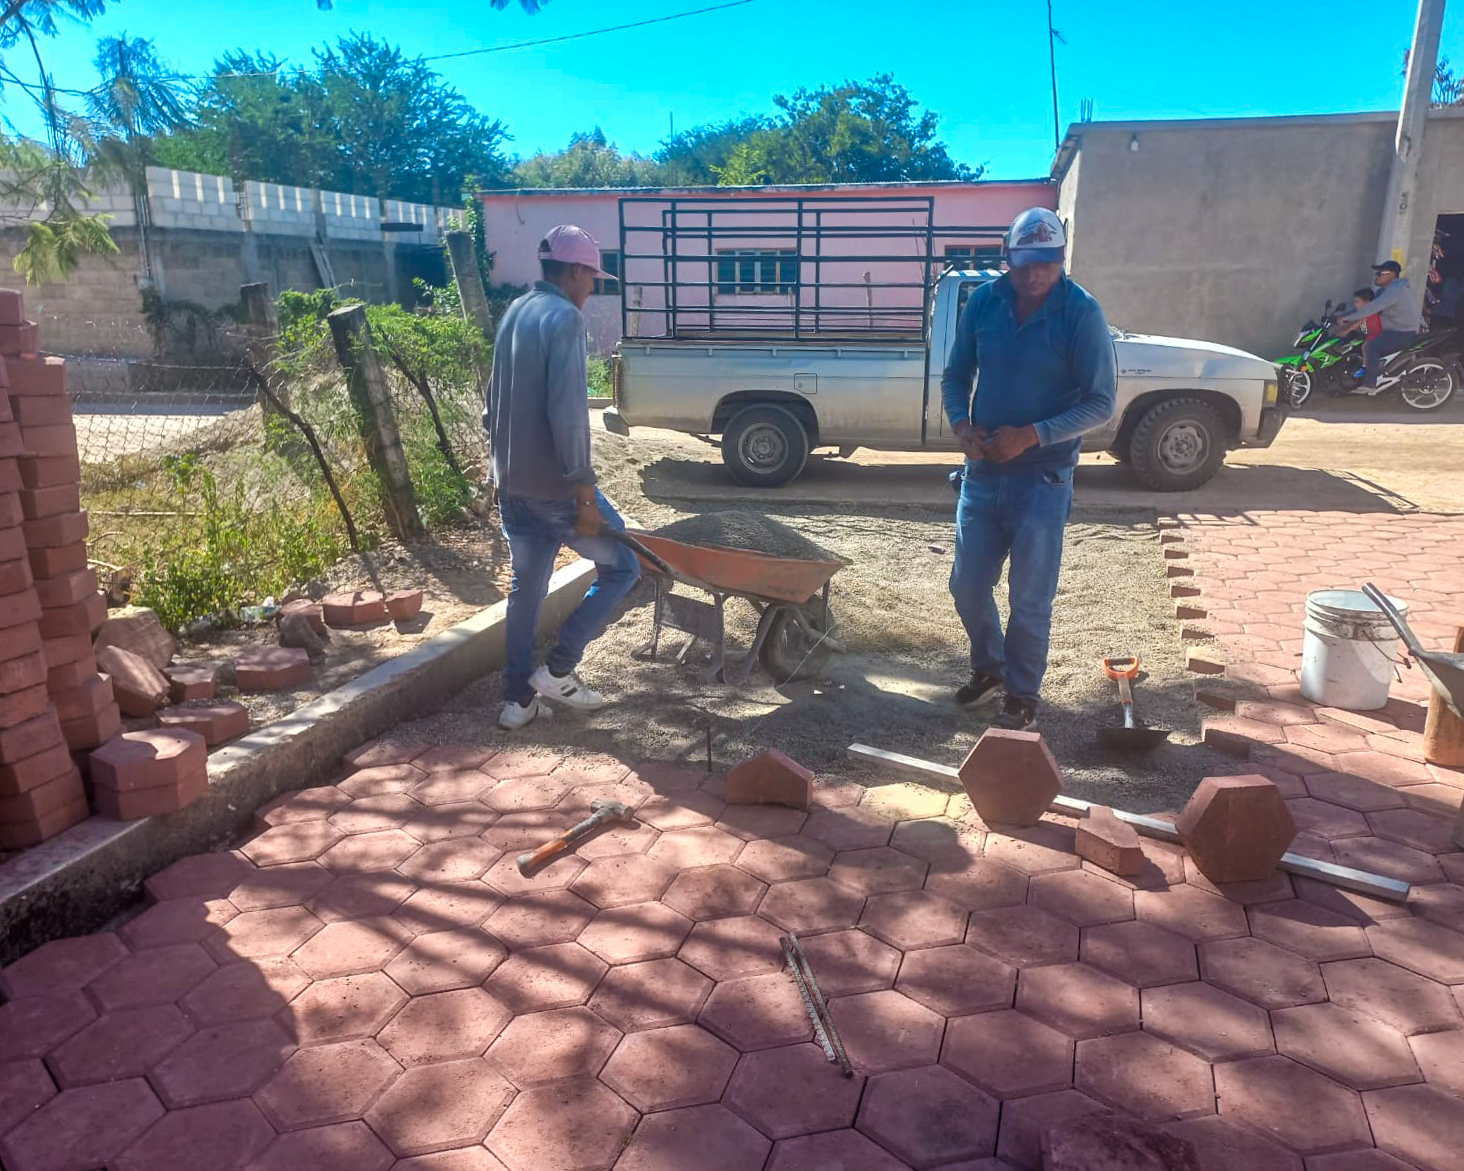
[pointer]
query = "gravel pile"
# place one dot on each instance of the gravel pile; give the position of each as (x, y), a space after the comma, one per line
(753, 531)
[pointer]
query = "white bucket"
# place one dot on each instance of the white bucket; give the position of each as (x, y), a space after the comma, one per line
(1349, 650)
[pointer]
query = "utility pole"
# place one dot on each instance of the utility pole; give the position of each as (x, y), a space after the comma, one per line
(1053, 36)
(1397, 225)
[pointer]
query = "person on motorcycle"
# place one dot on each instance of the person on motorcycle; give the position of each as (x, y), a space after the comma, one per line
(1370, 324)
(1398, 313)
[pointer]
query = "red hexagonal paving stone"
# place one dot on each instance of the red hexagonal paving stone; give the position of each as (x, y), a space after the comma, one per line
(1025, 1121)
(363, 896)
(504, 877)
(668, 1068)
(1261, 972)
(451, 786)
(156, 976)
(453, 756)
(1023, 936)
(523, 793)
(374, 812)
(913, 919)
(1356, 793)
(381, 780)
(34, 1025)
(1037, 849)
(521, 762)
(1008, 1054)
(811, 904)
(350, 947)
(259, 934)
(290, 884)
(1383, 768)
(727, 948)
(1277, 888)
(1420, 946)
(458, 819)
(757, 1012)
(444, 1026)
(617, 838)
(390, 749)
(296, 841)
(879, 870)
(846, 1150)
(887, 1030)
(1221, 1144)
(928, 1116)
(439, 961)
(714, 892)
(752, 822)
(1309, 930)
(272, 668)
(784, 859)
(1147, 1077)
(597, 770)
(559, 975)
(1078, 999)
(1191, 912)
(221, 1134)
(326, 1083)
(847, 827)
(1346, 1045)
(248, 991)
(368, 853)
(1441, 1058)
(680, 811)
(61, 965)
(557, 1045)
(1293, 1104)
(176, 921)
(345, 1008)
(1326, 820)
(1207, 1020)
(536, 920)
(84, 1127)
(454, 860)
(703, 845)
(626, 878)
(1082, 897)
(979, 885)
(454, 904)
(460, 1159)
(220, 1062)
(789, 1091)
(216, 722)
(346, 1146)
(25, 1087)
(1011, 777)
(956, 980)
(939, 840)
(650, 995)
(710, 1138)
(1141, 954)
(353, 608)
(1393, 995)
(846, 963)
(572, 1125)
(1419, 1124)
(439, 1107)
(120, 1045)
(641, 931)
(1236, 828)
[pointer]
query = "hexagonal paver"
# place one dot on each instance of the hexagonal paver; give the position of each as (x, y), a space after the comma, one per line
(1391, 994)
(188, 920)
(439, 1107)
(346, 1146)
(618, 838)
(727, 948)
(1354, 1049)
(521, 793)
(757, 1012)
(536, 920)
(208, 876)
(315, 804)
(1305, 928)
(788, 1091)
(1441, 1058)
(1202, 1018)
(159, 975)
(1082, 897)
(1191, 912)
(1009, 1054)
(642, 931)
(119, 1045)
(1261, 972)
(291, 884)
(455, 904)
(557, 976)
(362, 896)
(928, 1116)
(241, 992)
(442, 960)
(913, 919)
(624, 878)
(391, 749)
(346, 1008)
(453, 860)
(849, 962)
(34, 1025)
(370, 853)
(379, 811)
(1037, 849)
(521, 762)
(838, 1149)
(714, 892)
(448, 786)
(1294, 1105)
(457, 819)
(1389, 859)
(879, 870)
(956, 980)
(25, 1087)
(453, 756)
(750, 822)
(61, 965)
(979, 885)
(1409, 827)
(553, 1046)
(220, 1134)
(650, 995)
(382, 779)
(296, 841)
(527, 830)
(1141, 954)
(350, 947)
(327, 1083)
(1421, 1124)
(84, 1127)
(504, 877)
(703, 845)
(222, 1061)
(444, 1026)
(1145, 1076)
(887, 1030)
(1418, 945)
(681, 811)
(1326, 820)
(663, 1069)
(783, 859)
(710, 1138)
(579, 1124)
(1010, 776)
(847, 828)
(1024, 1121)
(811, 904)
(1023, 936)
(1079, 1000)
(261, 934)
(1221, 1144)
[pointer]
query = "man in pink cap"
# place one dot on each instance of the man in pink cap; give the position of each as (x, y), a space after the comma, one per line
(538, 425)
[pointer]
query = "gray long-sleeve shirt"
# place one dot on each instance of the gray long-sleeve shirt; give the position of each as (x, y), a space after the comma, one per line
(537, 419)
(1396, 308)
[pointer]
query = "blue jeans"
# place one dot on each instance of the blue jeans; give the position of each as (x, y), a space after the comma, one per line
(1020, 514)
(1375, 349)
(535, 530)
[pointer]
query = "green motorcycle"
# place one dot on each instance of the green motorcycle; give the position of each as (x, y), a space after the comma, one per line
(1320, 360)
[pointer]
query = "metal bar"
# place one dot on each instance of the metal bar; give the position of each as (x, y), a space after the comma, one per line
(809, 1006)
(823, 1009)
(1362, 881)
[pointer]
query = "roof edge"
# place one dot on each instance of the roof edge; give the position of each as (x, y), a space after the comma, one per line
(705, 189)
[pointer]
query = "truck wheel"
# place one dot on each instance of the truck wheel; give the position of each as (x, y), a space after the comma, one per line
(764, 446)
(1179, 444)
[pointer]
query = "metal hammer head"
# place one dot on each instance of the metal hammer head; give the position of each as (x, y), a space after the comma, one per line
(603, 809)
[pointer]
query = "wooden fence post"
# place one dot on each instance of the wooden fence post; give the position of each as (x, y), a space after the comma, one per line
(1443, 734)
(371, 397)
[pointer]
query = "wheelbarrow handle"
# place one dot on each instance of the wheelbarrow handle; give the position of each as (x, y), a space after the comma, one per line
(637, 548)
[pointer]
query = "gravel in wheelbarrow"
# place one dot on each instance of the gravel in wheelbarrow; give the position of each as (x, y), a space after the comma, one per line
(750, 531)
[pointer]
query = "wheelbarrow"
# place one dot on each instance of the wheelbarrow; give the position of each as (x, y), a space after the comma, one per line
(1444, 669)
(794, 636)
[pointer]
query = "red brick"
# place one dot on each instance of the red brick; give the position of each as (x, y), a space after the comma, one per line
(190, 681)
(21, 835)
(1236, 828)
(20, 339)
(403, 605)
(69, 676)
(770, 778)
(215, 722)
(1113, 1142)
(22, 671)
(10, 480)
(78, 618)
(1203, 662)
(12, 540)
(67, 589)
(88, 731)
(36, 376)
(311, 612)
(6, 414)
(12, 310)
(18, 642)
(1011, 777)
(43, 800)
(11, 513)
(138, 631)
(271, 668)
(139, 687)
(49, 471)
(15, 576)
(153, 802)
(1110, 843)
(41, 410)
(148, 759)
(11, 442)
(41, 502)
(16, 609)
(49, 442)
(19, 706)
(353, 608)
(51, 562)
(31, 736)
(70, 648)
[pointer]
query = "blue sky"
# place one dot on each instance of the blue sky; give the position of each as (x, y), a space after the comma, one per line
(982, 67)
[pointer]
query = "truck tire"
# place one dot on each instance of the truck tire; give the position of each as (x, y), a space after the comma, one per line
(1179, 444)
(764, 446)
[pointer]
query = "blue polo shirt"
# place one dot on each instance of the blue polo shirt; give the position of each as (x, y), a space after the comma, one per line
(1056, 371)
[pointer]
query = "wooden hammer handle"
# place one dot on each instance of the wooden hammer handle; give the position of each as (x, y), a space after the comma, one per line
(528, 862)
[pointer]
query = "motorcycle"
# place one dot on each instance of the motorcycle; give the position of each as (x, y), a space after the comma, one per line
(1426, 372)
(1320, 361)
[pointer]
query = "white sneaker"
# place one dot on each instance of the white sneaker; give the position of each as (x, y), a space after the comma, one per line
(569, 691)
(515, 715)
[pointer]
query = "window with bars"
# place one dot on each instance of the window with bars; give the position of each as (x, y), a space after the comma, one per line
(609, 286)
(980, 255)
(751, 270)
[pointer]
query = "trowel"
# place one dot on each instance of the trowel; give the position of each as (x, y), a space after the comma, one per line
(1132, 737)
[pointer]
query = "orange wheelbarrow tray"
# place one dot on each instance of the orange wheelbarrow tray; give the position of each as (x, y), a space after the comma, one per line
(791, 596)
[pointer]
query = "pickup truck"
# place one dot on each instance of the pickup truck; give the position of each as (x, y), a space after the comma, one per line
(1181, 404)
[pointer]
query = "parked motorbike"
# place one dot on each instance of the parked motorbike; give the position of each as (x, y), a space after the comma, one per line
(1426, 372)
(1319, 361)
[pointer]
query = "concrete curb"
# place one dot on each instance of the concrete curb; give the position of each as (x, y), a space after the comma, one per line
(80, 879)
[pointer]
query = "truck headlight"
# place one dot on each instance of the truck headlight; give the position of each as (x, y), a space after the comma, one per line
(1273, 392)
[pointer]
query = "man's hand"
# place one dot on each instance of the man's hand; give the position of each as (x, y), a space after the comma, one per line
(972, 440)
(1009, 442)
(588, 520)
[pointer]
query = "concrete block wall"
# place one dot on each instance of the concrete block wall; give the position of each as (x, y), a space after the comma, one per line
(187, 199)
(275, 209)
(351, 217)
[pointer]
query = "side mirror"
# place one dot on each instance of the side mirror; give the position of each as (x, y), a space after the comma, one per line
(1327, 308)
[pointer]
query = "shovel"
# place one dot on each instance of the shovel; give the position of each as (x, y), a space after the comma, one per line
(1123, 669)
(1444, 669)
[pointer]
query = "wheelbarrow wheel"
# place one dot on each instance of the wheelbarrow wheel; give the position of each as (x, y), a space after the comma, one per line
(790, 651)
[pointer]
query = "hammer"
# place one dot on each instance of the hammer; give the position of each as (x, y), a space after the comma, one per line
(602, 809)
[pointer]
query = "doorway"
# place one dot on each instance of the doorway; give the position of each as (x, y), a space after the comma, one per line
(1443, 296)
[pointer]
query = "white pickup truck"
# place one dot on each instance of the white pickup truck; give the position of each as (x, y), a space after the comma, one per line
(1181, 404)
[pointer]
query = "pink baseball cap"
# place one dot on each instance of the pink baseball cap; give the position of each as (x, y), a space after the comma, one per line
(571, 245)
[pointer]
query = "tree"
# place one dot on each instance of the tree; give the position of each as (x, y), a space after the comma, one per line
(698, 155)
(590, 160)
(1448, 87)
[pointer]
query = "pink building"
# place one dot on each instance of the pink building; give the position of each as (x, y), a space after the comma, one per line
(742, 274)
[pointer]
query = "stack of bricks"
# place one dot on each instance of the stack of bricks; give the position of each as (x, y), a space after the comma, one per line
(52, 702)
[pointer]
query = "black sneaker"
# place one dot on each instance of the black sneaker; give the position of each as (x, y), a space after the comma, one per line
(980, 687)
(1016, 716)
